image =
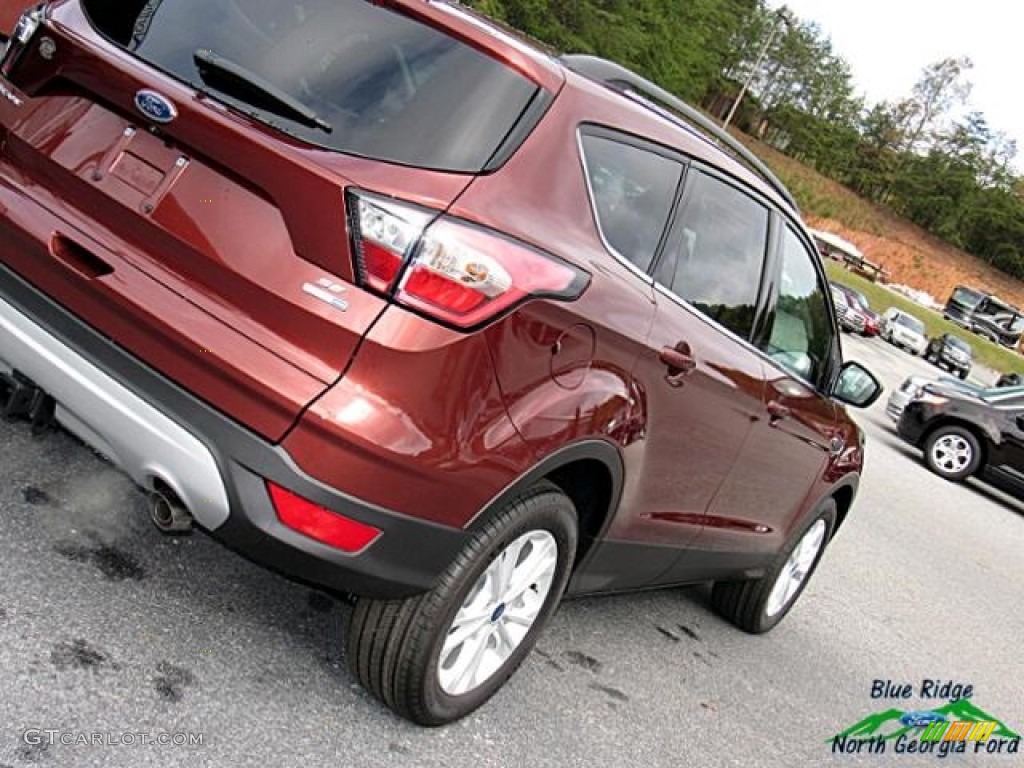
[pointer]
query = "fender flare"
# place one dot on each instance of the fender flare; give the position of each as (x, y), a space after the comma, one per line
(849, 481)
(603, 451)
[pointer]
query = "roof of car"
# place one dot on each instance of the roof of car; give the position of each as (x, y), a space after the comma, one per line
(616, 109)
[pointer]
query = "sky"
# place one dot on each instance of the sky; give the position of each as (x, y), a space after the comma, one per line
(889, 42)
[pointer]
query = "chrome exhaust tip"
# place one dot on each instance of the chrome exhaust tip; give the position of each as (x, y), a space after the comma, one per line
(168, 513)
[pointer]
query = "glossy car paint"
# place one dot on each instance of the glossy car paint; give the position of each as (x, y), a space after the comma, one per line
(380, 402)
(944, 352)
(997, 421)
(10, 10)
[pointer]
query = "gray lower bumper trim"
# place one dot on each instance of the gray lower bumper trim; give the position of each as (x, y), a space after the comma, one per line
(140, 439)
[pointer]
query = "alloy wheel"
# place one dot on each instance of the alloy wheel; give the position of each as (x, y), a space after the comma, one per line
(794, 573)
(498, 612)
(952, 454)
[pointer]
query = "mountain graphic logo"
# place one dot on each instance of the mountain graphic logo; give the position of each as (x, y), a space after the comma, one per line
(887, 726)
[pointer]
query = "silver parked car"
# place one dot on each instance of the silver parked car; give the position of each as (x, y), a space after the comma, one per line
(905, 331)
(848, 319)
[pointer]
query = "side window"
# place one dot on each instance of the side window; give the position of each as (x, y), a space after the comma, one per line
(715, 254)
(633, 191)
(801, 334)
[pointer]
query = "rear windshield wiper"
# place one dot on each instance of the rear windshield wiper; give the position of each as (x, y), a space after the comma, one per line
(229, 74)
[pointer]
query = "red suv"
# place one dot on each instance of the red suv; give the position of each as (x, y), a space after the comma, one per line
(387, 300)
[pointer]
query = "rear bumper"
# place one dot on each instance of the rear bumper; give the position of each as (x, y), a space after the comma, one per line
(153, 429)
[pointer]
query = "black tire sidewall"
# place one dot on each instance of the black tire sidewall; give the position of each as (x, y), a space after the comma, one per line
(955, 477)
(550, 511)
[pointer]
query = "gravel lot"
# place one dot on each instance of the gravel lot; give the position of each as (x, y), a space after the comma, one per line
(107, 626)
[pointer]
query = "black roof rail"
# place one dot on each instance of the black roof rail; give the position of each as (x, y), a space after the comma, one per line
(619, 78)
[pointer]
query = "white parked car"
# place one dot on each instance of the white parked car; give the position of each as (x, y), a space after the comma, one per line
(904, 330)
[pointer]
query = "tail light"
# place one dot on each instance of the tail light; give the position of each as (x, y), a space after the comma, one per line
(24, 31)
(457, 273)
(319, 523)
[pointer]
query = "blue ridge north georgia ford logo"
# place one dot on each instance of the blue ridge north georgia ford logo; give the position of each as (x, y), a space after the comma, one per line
(157, 108)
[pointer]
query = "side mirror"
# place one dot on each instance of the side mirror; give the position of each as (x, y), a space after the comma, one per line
(856, 386)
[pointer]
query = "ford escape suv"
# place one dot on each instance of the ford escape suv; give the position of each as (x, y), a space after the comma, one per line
(390, 301)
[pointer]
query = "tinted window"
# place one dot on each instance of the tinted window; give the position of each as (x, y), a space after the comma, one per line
(966, 296)
(633, 191)
(963, 346)
(389, 87)
(714, 256)
(801, 333)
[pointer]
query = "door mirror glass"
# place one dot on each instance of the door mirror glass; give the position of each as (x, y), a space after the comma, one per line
(857, 386)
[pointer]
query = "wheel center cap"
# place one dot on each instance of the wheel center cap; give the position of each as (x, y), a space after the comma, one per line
(498, 613)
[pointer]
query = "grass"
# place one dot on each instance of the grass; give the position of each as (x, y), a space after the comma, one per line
(985, 352)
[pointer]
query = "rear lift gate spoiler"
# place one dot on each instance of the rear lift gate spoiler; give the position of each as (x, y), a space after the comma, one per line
(225, 247)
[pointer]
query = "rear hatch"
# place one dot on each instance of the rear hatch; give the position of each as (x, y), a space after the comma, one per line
(189, 160)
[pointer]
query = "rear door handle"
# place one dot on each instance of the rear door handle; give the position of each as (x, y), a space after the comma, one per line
(680, 362)
(777, 412)
(677, 359)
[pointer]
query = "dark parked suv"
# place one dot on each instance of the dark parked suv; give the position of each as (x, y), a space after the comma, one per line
(950, 352)
(969, 433)
(391, 302)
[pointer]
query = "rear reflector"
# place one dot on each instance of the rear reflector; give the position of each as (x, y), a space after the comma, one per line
(319, 523)
(457, 273)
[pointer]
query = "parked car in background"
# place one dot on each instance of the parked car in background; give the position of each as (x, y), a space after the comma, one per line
(913, 386)
(868, 320)
(986, 315)
(904, 330)
(842, 309)
(964, 434)
(299, 269)
(1010, 380)
(948, 351)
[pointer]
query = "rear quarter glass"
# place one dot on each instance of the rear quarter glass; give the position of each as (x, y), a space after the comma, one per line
(390, 88)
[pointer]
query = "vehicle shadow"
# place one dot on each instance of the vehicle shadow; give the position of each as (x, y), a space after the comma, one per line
(996, 496)
(985, 490)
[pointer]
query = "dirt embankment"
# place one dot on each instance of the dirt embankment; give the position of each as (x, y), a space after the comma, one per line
(911, 255)
(915, 258)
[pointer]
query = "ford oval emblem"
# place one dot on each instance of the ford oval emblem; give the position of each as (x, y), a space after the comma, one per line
(157, 108)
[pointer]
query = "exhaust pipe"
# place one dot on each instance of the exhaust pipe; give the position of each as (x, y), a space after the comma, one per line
(168, 512)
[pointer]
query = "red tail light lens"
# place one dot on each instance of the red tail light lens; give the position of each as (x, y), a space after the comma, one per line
(458, 273)
(319, 523)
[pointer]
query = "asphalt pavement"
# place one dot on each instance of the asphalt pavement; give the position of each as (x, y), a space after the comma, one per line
(112, 634)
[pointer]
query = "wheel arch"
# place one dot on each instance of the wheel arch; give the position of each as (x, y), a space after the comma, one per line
(843, 495)
(590, 473)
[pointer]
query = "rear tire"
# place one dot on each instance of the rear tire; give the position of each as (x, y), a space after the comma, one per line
(758, 605)
(409, 653)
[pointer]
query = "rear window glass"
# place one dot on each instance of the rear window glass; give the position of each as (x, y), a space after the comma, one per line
(632, 191)
(389, 87)
(716, 252)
